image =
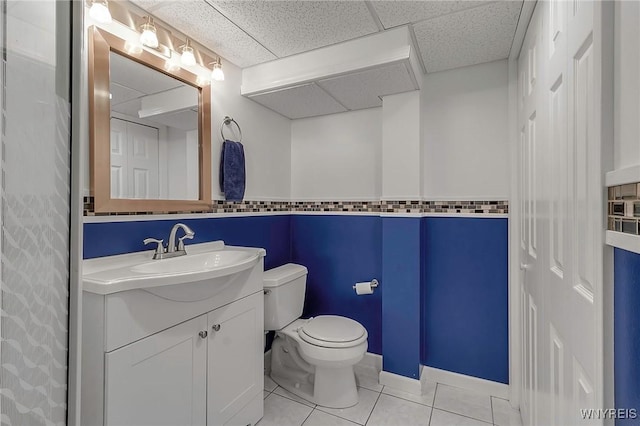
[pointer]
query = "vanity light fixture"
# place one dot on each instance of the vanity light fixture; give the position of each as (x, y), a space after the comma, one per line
(188, 58)
(133, 47)
(217, 74)
(99, 12)
(172, 64)
(148, 36)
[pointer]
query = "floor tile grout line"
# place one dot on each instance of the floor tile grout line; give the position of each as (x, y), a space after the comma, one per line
(407, 400)
(493, 418)
(373, 408)
(291, 399)
(410, 400)
(435, 393)
(309, 415)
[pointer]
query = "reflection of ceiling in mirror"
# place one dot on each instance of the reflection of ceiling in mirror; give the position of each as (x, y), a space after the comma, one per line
(131, 81)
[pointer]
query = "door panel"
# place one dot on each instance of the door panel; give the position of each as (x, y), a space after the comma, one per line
(235, 359)
(159, 380)
(561, 200)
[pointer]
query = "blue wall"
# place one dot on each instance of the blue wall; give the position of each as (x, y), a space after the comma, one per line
(443, 295)
(401, 276)
(340, 251)
(269, 232)
(627, 332)
(465, 296)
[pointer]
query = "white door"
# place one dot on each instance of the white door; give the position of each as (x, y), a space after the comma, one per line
(561, 221)
(159, 380)
(119, 164)
(143, 167)
(236, 357)
(135, 169)
(531, 130)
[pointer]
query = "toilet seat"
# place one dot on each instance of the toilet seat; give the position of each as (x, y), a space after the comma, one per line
(332, 331)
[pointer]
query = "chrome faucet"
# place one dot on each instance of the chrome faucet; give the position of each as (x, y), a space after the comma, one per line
(171, 245)
(172, 250)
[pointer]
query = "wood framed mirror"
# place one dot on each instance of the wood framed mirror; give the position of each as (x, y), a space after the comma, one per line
(149, 130)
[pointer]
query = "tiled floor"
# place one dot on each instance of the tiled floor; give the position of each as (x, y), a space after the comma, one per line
(440, 405)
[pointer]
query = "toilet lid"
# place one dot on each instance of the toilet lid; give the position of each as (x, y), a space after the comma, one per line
(333, 331)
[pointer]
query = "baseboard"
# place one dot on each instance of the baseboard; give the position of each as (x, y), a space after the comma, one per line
(401, 383)
(430, 374)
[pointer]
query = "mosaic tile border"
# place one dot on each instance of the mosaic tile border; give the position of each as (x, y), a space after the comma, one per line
(623, 207)
(335, 206)
(217, 206)
(384, 206)
(467, 207)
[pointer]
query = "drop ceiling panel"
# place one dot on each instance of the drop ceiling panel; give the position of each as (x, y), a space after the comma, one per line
(201, 22)
(363, 89)
(468, 37)
(121, 94)
(394, 13)
(131, 74)
(290, 27)
(301, 101)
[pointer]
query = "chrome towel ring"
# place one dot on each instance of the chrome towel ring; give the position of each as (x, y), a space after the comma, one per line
(227, 122)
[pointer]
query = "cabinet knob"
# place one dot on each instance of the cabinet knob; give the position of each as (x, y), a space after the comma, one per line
(216, 327)
(203, 334)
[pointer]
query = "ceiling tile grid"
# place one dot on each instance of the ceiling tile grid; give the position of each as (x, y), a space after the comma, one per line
(200, 21)
(306, 100)
(290, 27)
(468, 37)
(363, 89)
(395, 13)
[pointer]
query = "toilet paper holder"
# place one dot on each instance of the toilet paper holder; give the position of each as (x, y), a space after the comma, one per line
(374, 284)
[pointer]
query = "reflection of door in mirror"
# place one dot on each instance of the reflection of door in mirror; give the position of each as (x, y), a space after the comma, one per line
(134, 160)
(154, 133)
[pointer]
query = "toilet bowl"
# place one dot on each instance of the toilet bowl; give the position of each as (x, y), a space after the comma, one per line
(311, 358)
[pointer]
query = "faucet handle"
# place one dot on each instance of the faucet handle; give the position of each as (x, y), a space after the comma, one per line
(159, 248)
(184, 237)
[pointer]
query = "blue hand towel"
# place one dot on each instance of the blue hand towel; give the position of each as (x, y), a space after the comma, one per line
(232, 171)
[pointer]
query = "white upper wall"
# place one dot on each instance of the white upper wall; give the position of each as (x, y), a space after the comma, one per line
(266, 137)
(337, 157)
(401, 147)
(627, 85)
(465, 133)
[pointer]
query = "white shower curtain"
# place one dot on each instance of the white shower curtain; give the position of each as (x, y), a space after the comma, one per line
(34, 275)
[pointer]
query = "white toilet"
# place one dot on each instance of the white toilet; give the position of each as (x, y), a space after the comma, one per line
(312, 358)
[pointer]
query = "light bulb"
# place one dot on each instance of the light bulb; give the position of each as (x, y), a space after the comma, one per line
(148, 36)
(99, 12)
(187, 58)
(217, 74)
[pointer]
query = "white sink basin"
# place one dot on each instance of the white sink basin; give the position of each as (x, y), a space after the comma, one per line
(195, 262)
(211, 266)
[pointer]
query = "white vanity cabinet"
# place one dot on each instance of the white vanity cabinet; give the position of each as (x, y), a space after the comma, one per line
(159, 380)
(150, 360)
(235, 373)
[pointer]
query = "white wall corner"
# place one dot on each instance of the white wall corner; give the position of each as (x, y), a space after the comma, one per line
(435, 375)
(402, 383)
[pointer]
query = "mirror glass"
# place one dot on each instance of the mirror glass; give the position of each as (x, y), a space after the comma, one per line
(149, 131)
(154, 133)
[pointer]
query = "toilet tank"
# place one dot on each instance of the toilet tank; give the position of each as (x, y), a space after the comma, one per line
(284, 289)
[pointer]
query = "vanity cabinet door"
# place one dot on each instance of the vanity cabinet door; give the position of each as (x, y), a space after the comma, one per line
(235, 358)
(159, 380)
